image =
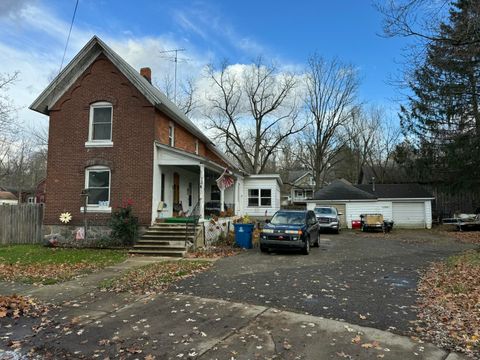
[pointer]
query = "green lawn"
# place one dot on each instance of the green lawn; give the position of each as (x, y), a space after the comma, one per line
(34, 254)
(38, 264)
(470, 257)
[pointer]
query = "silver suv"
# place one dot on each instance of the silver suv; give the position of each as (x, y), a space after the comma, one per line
(328, 218)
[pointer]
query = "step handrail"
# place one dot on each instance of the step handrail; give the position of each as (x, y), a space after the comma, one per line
(192, 219)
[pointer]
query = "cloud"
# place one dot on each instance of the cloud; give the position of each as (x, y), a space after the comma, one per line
(11, 8)
(32, 40)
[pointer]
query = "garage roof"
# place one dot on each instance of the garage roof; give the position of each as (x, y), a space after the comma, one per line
(396, 191)
(342, 190)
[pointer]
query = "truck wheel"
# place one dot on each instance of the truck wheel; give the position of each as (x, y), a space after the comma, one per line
(317, 242)
(306, 248)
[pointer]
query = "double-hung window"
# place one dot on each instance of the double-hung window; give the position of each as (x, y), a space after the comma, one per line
(259, 197)
(100, 124)
(97, 182)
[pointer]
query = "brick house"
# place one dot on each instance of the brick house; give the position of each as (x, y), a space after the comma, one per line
(114, 134)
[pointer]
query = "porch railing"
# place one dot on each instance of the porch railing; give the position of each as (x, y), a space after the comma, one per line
(192, 222)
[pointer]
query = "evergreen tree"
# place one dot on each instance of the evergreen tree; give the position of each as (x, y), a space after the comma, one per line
(443, 113)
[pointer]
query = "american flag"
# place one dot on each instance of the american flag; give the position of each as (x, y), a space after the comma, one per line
(225, 180)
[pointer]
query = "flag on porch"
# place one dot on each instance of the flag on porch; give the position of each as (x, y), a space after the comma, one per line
(225, 180)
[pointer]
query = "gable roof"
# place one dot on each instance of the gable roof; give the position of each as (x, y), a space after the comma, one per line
(295, 175)
(396, 191)
(87, 55)
(342, 190)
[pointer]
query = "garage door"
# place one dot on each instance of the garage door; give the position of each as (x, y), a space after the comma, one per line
(409, 214)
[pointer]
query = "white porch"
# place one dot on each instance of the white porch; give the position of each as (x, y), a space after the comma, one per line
(186, 182)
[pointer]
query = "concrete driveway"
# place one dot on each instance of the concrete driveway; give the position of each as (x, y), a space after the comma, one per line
(363, 278)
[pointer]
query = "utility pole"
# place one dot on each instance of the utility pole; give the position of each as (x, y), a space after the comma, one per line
(175, 60)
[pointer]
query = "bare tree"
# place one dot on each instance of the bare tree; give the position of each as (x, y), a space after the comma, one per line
(420, 19)
(381, 159)
(252, 109)
(186, 99)
(371, 140)
(330, 97)
(8, 123)
(360, 134)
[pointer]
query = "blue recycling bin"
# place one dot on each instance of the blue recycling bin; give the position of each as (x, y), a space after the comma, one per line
(243, 235)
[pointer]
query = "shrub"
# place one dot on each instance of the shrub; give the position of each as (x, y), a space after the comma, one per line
(107, 242)
(124, 224)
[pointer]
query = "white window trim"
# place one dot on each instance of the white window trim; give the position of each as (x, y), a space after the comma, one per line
(171, 140)
(260, 198)
(99, 143)
(196, 146)
(93, 207)
(296, 193)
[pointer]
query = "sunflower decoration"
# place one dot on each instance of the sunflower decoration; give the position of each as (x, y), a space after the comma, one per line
(65, 217)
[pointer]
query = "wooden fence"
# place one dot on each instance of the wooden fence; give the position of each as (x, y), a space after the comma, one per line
(21, 224)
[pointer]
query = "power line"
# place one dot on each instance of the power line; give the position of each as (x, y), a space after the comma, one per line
(175, 60)
(69, 33)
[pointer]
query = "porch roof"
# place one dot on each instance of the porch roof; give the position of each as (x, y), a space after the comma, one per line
(177, 157)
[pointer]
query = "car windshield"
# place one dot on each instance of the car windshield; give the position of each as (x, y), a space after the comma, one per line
(288, 218)
(324, 211)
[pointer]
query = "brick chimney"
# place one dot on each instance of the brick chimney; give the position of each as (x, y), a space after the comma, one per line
(146, 72)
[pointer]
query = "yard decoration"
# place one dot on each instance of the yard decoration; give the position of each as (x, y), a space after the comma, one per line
(65, 217)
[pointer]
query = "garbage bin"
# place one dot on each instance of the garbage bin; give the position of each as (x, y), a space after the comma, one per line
(243, 235)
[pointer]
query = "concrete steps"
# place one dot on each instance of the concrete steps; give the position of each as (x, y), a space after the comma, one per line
(165, 239)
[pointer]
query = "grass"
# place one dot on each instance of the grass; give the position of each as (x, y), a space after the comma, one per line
(448, 303)
(154, 277)
(38, 264)
(37, 254)
(470, 257)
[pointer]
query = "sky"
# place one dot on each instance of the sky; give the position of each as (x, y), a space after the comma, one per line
(33, 34)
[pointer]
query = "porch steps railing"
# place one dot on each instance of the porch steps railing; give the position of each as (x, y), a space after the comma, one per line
(165, 239)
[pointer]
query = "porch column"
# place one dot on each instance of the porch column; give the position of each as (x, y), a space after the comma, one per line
(222, 199)
(201, 191)
(235, 198)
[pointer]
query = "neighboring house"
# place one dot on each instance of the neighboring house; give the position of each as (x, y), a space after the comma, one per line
(408, 205)
(40, 192)
(7, 198)
(34, 195)
(114, 136)
(299, 186)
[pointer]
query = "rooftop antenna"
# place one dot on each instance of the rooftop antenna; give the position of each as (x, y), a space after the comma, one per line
(175, 60)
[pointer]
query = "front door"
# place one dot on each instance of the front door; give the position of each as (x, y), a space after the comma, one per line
(176, 193)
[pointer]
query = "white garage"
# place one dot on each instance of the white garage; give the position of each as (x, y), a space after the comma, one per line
(408, 205)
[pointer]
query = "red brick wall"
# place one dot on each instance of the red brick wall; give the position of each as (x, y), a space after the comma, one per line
(184, 140)
(130, 158)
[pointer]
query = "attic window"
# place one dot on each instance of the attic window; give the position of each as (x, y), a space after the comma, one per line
(100, 124)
